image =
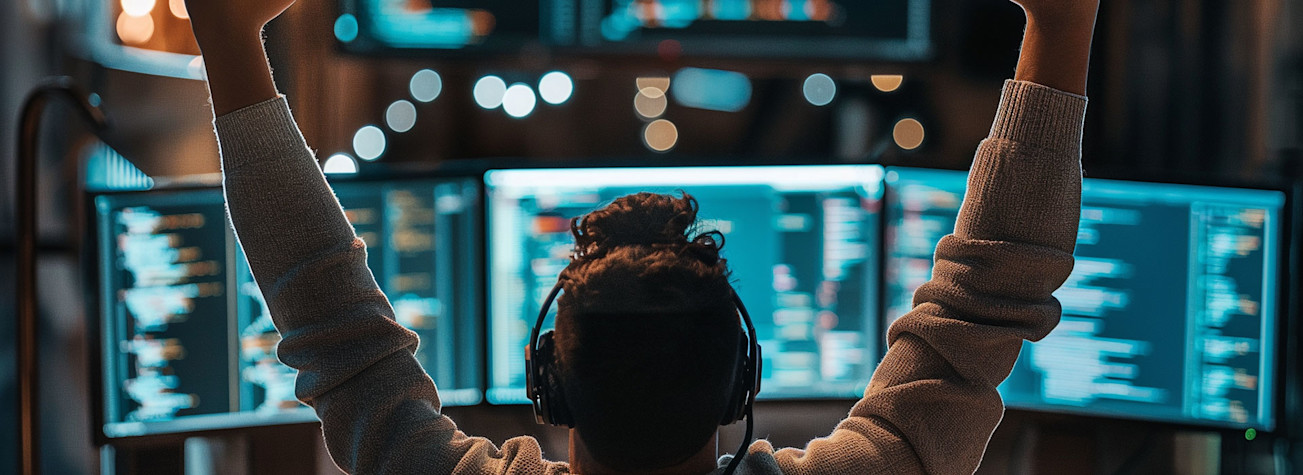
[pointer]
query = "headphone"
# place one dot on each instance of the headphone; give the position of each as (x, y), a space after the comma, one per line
(543, 382)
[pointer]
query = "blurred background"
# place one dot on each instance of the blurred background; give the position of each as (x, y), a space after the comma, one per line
(1189, 90)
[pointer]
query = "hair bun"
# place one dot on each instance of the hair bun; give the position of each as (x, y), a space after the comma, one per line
(643, 219)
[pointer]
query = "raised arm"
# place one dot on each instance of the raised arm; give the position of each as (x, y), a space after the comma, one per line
(932, 403)
(380, 412)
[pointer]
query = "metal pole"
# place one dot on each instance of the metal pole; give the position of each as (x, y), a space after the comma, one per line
(29, 133)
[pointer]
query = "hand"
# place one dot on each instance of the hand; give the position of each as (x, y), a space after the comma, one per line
(230, 37)
(1056, 43)
(1060, 13)
(217, 19)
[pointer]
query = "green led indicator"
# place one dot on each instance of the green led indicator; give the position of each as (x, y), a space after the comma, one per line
(1250, 434)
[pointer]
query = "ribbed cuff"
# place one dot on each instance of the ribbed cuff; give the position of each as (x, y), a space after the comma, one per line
(263, 131)
(1039, 116)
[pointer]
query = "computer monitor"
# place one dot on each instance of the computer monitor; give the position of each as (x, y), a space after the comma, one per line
(447, 26)
(1170, 313)
(880, 29)
(801, 242)
(187, 342)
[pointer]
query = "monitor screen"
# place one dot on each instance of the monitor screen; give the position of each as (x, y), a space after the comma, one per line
(891, 29)
(801, 242)
(448, 25)
(1170, 313)
(187, 340)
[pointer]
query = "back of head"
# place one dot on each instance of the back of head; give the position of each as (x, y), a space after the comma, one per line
(647, 333)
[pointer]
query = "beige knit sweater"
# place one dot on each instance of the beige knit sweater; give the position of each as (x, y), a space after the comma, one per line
(930, 408)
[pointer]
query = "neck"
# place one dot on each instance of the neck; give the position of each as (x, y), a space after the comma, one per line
(704, 461)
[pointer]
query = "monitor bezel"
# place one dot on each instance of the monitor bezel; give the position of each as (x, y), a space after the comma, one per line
(919, 46)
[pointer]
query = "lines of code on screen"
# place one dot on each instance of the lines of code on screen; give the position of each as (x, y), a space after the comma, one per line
(188, 340)
(1170, 311)
(802, 243)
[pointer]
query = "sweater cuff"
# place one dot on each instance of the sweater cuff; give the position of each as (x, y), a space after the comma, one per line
(260, 132)
(1040, 116)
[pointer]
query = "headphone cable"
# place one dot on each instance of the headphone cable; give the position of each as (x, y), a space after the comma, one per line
(746, 442)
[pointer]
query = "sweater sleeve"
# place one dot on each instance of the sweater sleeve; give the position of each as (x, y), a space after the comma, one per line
(379, 410)
(932, 403)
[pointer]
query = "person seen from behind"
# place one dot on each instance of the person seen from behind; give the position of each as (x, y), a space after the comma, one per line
(647, 337)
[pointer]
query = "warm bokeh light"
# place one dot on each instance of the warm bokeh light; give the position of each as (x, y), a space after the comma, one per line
(135, 30)
(660, 135)
(650, 102)
(178, 9)
(908, 134)
(658, 82)
(887, 82)
(426, 85)
(137, 7)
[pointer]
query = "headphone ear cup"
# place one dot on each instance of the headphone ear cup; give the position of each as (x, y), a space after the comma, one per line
(741, 386)
(551, 393)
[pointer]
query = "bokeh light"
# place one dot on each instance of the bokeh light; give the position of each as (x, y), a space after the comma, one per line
(137, 7)
(346, 28)
(369, 143)
(658, 82)
(650, 102)
(426, 85)
(489, 92)
(556, 87)
(909, 134)
(178, 9)
(519, 100)
(887, 82)
(135, 30)
(340, 163)
(400, 116)
(820, 89)
(660, 135)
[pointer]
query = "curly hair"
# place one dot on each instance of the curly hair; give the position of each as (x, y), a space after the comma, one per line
(647, 334)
